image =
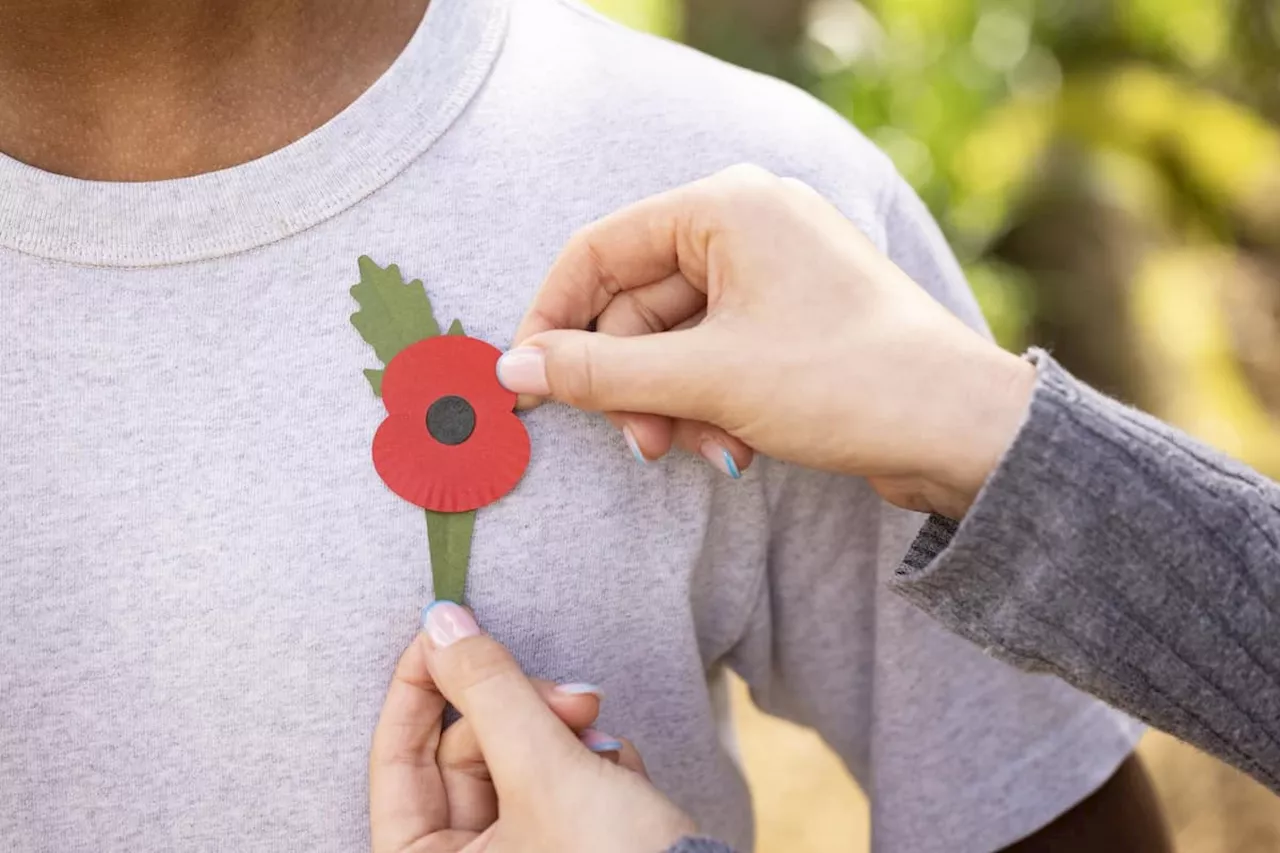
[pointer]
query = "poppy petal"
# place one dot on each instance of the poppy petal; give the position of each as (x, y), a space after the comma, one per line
(452, 365)
(485, 464)
(452, 478)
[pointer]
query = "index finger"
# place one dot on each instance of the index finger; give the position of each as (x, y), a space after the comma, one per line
(518, 734)
(642, 244)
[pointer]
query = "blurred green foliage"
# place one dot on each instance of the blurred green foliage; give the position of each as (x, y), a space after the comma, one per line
(1108, 171)
(656, 16)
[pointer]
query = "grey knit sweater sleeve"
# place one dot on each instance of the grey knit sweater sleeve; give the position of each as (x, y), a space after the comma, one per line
(700, 845)
(1120, 555)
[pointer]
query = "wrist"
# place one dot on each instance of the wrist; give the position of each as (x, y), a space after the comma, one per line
(995, 393)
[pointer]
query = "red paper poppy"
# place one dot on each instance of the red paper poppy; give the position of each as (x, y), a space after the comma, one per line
(451, 441)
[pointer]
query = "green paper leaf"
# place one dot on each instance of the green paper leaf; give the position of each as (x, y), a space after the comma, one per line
(449, 534)
(375, 379)
(456, 328)
(392, 315)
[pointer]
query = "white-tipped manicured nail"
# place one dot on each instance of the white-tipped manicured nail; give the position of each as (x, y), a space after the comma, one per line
(524, 371)
(446, 622)
(580, 689)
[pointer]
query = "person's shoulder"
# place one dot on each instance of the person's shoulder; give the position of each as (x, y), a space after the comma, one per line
(679, 109)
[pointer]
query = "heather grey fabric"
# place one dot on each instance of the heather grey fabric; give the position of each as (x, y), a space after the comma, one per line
(204, 584)
(1117, 553)
(700, 845)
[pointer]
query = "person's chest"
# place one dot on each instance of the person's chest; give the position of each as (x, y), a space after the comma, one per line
(205, 584)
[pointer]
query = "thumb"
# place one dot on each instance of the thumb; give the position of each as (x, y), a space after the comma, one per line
(521, 739)
(668, 373)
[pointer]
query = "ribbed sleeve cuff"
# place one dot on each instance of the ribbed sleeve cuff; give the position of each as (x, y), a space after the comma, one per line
(1120, 555)
(700, 845)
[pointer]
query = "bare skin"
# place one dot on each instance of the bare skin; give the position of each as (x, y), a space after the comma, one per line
(1122, 815)
(145, 90)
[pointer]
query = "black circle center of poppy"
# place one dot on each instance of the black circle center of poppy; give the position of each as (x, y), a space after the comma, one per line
(451, 420)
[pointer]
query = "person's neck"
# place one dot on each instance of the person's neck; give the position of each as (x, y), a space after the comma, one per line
(138, 90)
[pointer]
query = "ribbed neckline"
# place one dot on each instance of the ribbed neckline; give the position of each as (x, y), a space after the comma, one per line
(102, 223)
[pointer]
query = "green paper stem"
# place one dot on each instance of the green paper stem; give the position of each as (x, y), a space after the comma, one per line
(450, 540)
(449, 535)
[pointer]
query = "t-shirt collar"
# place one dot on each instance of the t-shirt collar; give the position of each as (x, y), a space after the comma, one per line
(411, 105)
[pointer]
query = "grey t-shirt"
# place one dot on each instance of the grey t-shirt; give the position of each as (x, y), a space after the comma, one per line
(204, 584)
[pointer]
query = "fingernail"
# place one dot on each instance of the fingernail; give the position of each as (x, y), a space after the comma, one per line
(599, 742)
(634, 445)
(524, 371)
(720, 459)
(580, 690)
(446, 623)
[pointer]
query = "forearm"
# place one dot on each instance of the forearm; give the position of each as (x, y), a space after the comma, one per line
(1121, 816)
(1118, 554)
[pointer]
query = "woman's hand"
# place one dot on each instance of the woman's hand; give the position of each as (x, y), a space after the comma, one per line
(743, 312)
(512, 774)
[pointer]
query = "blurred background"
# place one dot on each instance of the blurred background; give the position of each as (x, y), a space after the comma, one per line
(1108, 172)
